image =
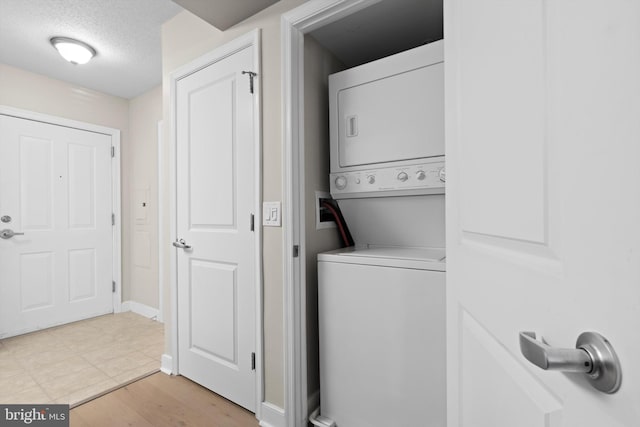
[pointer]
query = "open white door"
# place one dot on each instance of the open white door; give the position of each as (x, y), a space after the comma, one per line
(55, 190)
(543, 214)
(216, 264)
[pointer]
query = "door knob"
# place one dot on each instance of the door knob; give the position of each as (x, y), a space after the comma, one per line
(8, 233)
(181, 244)
(593, 356)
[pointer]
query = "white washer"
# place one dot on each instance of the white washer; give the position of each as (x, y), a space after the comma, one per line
(382, 336)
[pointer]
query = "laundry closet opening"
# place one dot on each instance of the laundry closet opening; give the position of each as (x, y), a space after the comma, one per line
(404, 220)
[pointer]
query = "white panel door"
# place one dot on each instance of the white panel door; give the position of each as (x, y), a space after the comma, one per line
(55, 186)
(543, 213)
(215, 198)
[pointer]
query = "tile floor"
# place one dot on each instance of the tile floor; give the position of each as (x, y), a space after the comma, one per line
(74, 362)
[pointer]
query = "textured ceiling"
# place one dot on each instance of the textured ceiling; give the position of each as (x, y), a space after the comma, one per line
(125, 33)
(385, 28)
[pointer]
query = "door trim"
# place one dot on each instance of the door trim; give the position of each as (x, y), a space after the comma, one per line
(295, 24)
(115, 182)
(252, 40)
(161, 234)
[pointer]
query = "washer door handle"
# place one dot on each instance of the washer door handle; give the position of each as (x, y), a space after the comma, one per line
(593, 356)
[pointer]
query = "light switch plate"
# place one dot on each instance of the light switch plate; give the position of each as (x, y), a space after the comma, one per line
(271, 214)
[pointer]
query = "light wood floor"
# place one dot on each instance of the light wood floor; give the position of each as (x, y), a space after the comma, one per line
(161, 400)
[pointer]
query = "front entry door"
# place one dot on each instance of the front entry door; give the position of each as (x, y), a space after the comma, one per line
(543, 213)
(55, 187)
(216, 272)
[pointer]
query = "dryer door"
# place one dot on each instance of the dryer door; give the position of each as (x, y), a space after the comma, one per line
(400, 117)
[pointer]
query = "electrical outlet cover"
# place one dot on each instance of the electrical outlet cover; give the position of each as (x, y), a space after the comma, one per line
(321, 221)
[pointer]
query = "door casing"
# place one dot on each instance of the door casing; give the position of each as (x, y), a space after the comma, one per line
(295, 24)
(252, 40)
(115, 183)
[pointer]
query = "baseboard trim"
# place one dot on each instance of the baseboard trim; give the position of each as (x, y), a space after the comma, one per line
(141, 309)
(166, 364)
(272, 416)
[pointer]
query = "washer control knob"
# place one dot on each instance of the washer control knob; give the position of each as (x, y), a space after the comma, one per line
(402, 176)
(421, 175)
(371, 179)
(442, 174)
(341, 182)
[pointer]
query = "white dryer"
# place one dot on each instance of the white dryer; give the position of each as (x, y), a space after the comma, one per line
(382, 337)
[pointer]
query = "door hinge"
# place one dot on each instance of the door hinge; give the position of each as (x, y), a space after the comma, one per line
(113, 151)
(253, 222)
(113, 219)
(252, 75)
(113, 286)
(253, 361)
(296, 251)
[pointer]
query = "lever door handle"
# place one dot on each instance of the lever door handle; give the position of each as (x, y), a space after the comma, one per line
(554, 359)
(8, 233)
(181, 244)
(593, 356)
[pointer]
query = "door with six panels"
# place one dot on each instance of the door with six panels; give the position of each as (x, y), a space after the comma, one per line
(56, 250)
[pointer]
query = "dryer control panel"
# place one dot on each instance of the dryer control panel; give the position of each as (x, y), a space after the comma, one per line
(423, 178)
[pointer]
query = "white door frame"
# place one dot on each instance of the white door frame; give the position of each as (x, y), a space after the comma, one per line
(115, 182)
(252, 40)
(295, 24)
(160, 203)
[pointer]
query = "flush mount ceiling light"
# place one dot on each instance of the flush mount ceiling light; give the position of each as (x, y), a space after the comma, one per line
(72, 50)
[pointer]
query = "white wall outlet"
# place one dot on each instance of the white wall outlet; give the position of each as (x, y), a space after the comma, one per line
(271, 214)
(322, 220)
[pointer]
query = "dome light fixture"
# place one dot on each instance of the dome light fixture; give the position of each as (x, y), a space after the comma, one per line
(72, 50)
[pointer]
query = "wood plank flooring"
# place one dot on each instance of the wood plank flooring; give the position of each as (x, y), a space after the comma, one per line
(161, 400)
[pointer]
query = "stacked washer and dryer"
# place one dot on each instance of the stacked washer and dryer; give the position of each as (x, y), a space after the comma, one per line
(382, 301)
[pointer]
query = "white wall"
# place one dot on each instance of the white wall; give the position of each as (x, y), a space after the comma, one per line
(144, 113)
(318, 64)
(184, 38)
(34, 92)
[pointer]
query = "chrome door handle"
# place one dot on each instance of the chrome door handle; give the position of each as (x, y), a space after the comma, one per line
(181, 244)
(593, 356)
(554, 359)
(8, 233)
